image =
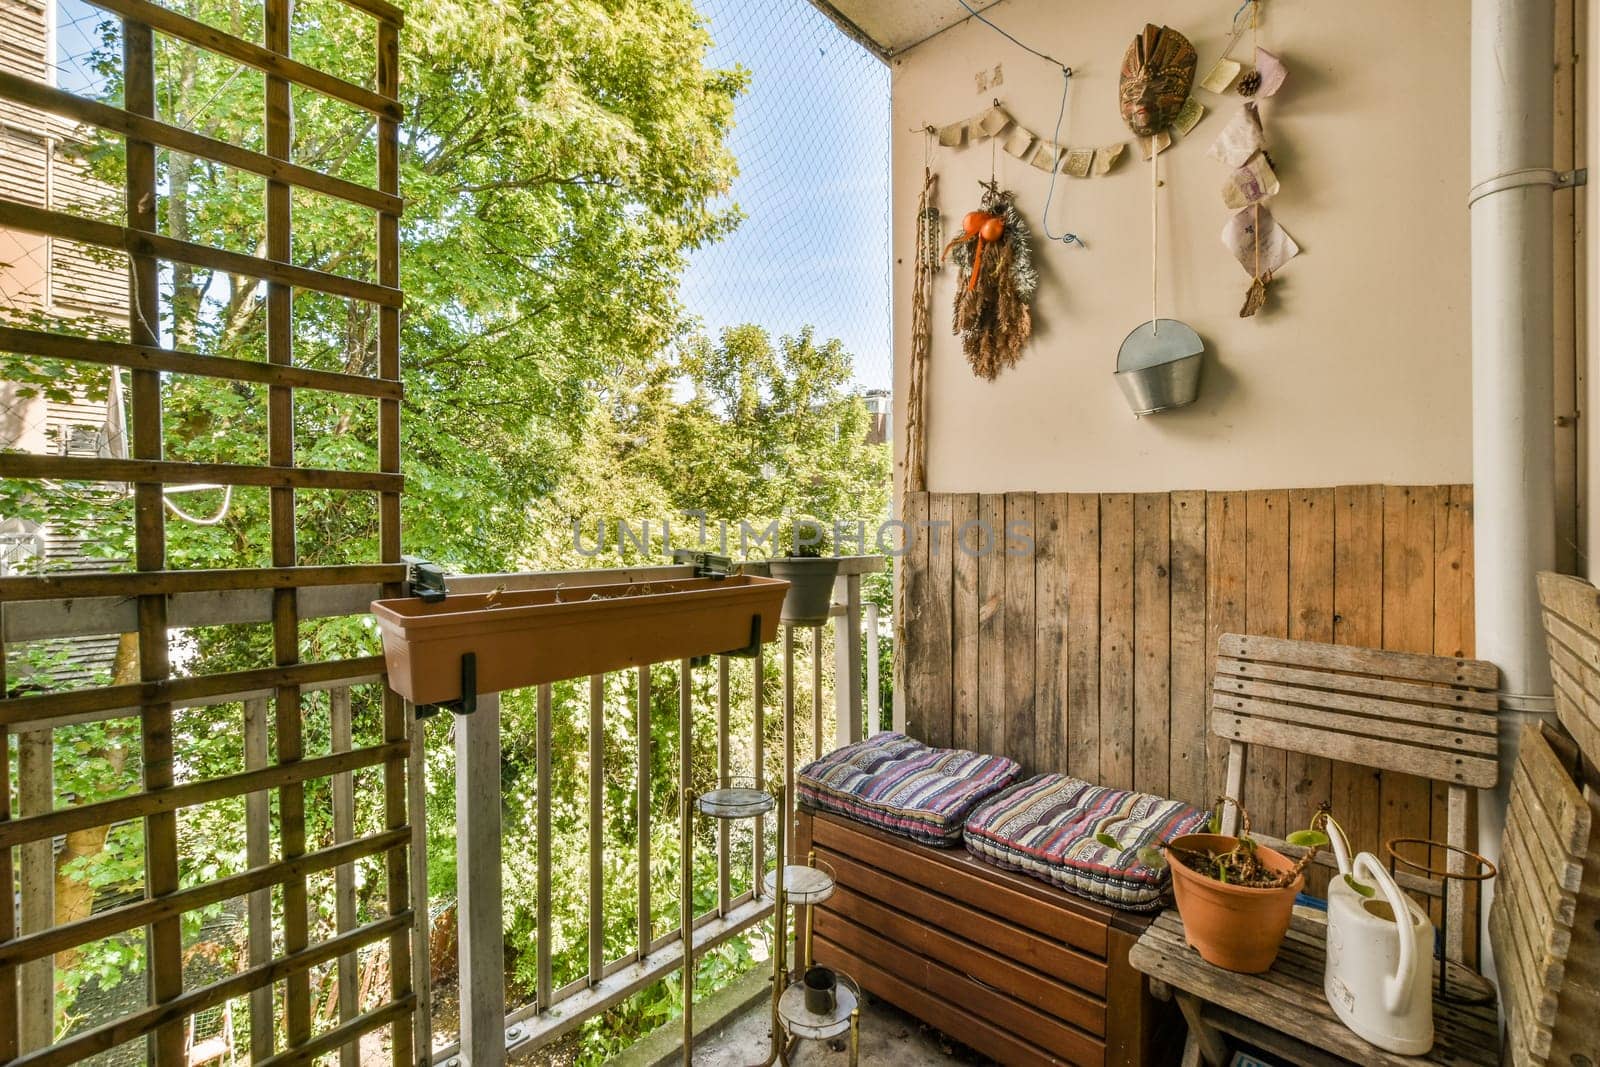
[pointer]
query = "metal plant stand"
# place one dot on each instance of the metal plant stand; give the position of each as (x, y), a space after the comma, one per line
(729, 802)
(804, 886)
(1464, 985)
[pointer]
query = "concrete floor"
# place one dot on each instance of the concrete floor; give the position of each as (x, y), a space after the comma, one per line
(889, 1038)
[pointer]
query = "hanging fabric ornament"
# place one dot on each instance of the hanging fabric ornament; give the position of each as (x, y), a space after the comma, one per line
(994, 255)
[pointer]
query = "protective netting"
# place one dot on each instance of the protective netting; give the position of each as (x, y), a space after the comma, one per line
(812, 138)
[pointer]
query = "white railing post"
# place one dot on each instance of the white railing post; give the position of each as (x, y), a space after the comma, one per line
(482, 981)
(874, 690)
(847, 661)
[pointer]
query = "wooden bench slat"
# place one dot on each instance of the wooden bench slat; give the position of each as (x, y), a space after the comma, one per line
(944, 874)
(1473, 673)
(1339, 682)
(927, 939)
(976, 1031)
(1428, 763)
(1024, 946)
(953, 985)
(1444, 740)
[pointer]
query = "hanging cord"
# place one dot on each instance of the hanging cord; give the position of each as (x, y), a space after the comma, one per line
(1155, 237)
(916, 473)
(1238, 29)
(1067, 238)
(1031, 51)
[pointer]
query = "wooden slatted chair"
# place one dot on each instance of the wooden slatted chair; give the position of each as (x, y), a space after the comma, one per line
(1572, 632)
(1545, 930)
(1543, 899)
(1430, 716)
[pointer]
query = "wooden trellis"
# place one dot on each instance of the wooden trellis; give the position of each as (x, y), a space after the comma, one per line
(157, 590)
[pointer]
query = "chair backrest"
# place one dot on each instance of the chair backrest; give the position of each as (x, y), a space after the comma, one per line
(1432, 716)
(1572, 633)
(1544, 910)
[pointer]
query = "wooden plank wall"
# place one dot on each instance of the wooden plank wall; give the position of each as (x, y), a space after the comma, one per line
(1084, 643)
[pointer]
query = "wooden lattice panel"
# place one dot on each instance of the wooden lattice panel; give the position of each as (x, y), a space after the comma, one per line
(153, 587)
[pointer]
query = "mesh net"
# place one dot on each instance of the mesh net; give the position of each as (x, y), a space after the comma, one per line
(812, 139)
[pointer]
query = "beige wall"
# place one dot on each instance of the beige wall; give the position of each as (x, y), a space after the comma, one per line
(1358, 372)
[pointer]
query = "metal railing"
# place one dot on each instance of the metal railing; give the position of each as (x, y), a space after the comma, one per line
(488, 1027)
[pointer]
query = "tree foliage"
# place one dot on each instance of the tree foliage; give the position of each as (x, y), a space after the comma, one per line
(559, 160)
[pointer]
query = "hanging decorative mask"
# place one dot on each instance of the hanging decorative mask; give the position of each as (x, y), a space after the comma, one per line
(1157, 74)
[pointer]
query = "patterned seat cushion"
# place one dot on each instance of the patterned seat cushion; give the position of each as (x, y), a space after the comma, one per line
(899, 784)
(1047, 825)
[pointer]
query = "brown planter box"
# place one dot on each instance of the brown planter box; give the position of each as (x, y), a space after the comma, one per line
(547, 635)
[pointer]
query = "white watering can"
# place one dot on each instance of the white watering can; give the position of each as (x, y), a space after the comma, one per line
(1379, 976)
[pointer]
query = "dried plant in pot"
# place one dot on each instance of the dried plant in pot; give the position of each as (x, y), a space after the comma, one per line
(809, 570)
(1236, 895)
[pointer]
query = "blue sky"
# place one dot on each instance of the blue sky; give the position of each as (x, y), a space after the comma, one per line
(812, 139)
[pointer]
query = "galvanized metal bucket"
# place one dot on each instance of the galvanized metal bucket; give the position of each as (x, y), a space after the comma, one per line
(1158, 366)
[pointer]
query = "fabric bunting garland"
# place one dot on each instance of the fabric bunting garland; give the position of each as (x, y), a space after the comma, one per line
(1041, 152)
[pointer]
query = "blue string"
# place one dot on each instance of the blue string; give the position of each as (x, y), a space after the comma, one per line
(1065, 238)
(1034, 51)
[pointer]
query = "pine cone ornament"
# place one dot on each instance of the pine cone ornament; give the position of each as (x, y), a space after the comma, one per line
(1250, 83)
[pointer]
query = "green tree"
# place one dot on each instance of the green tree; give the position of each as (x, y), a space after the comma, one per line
(559, 161)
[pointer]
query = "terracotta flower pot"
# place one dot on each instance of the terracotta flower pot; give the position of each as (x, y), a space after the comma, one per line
(528, 638)
(1234, 927)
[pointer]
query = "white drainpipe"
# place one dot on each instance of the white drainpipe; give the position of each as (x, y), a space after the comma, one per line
(1512, 354)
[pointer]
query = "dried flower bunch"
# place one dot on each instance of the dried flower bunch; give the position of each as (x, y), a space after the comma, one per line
(997, 283)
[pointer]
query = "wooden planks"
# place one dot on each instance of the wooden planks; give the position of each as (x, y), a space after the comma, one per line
(1152, 640)
(992, 625)
(1083, 637)
(1288, 1001)
(1020, 709)
(1016, 968)
(1116, 640)
(1050, 661)
(934, 616)
(964, 619)
(1308, 776)
(1266, 612)
(1130, 595)
(1190, 651)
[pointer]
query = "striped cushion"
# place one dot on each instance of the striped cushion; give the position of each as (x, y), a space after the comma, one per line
(1046, 827)
(902, 785)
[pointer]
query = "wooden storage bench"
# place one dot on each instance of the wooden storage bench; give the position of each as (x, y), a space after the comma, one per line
(1017, 969)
